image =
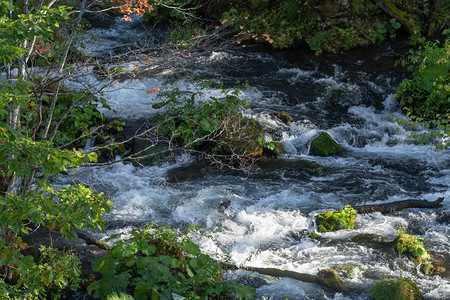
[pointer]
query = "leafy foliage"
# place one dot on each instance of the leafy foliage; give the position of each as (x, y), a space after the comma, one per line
(336, 220)
(216, 126)
(412, 246)
(160, 263)
(55, 273)
(28, 29)
(426, 97)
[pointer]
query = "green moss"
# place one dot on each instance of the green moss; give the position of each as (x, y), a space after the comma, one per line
(324, 145)
(336, 220)
(398, 289)
(368, 238)
(314, 235)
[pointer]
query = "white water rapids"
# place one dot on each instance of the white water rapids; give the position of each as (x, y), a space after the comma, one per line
(257, 220)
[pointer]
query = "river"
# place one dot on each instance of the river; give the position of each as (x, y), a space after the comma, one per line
(258, 220)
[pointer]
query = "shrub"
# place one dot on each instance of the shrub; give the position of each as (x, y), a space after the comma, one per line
(56, 273)
(425, 98)
(162, 263)
(214, 128)
(336, 220)
(411, 246)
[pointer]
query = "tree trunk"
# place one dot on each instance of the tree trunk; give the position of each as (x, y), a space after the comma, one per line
(390, 9)
(398, 205)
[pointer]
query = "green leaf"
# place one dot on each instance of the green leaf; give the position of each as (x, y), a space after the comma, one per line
(120, 296)
(191, 248)
(243, 292)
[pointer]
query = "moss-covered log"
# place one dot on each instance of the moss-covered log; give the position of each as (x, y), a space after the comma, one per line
(91, 241)
(398, 205)
(403, 18)
(327, 278)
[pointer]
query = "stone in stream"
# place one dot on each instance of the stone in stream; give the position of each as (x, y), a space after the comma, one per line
(283, 117)
(324, 145)
(349, 270)
(398, 289)
(430, 270)
(333, 279)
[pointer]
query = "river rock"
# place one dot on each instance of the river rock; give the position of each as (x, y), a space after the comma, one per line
(430, 270)
(349, 270)
(398, 289)
(332, 278)
(283, 117)
(367, 238)
(324, 145)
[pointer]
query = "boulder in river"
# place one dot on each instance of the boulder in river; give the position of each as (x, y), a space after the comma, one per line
(324, 145)
(399, 289)
(333, 279)
(430, 270)
(283, 117)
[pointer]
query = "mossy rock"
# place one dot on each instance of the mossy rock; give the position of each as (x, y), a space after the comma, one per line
(367, 238)
(430, 270)
(349, 271)
(283, 117)
(333, 279)
(398, 289)
(336, 220)
(273, 149)
(313, 235)
(324, 145)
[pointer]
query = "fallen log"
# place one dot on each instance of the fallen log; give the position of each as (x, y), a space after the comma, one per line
(327, 277)
(391, 207)
(91, 241)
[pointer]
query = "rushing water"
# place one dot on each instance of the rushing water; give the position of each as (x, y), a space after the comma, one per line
(258, 220)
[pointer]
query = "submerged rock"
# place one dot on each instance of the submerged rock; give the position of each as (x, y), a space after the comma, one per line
(349, 271)
(398, 289)
(324, 145)
(367, 238)
(430, 270)
(283, 117)
(333, 279)
(336, 220)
